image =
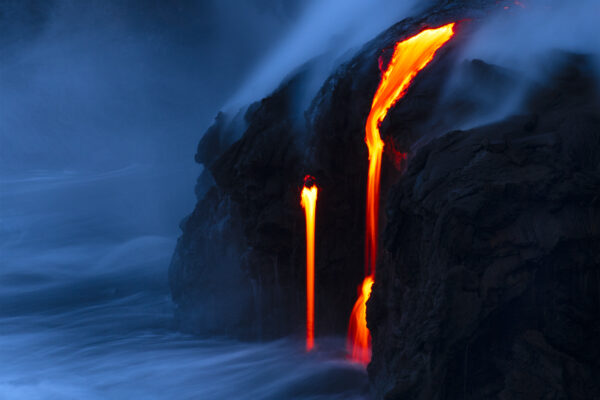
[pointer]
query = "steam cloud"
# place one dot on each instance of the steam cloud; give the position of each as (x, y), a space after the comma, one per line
(525, 39)
(329, 28)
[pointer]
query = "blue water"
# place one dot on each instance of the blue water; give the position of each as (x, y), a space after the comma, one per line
(85, 311)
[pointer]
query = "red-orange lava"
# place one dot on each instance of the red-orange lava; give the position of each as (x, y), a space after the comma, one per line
(309, 203)
(409, 58)
(359, 337)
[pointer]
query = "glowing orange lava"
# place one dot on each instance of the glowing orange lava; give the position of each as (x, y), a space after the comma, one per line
(309, 203)
(409, 58)
(358, 334)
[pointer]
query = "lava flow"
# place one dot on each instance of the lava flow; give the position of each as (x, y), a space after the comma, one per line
(359, 337)
(409, 58)
(309, 203)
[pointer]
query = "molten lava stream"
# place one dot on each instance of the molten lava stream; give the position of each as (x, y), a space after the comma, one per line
(309, 203)
(409, 58)
(358, 335)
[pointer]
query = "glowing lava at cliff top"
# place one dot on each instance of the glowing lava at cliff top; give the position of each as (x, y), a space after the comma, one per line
(409, 58)
(309, 203)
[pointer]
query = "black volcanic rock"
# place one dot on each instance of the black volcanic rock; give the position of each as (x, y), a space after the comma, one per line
(245, 224)
(206, 281)
(257, 165)
(488, 282)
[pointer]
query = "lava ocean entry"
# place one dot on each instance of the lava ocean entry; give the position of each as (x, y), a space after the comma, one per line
(409, 58)
(300, 199)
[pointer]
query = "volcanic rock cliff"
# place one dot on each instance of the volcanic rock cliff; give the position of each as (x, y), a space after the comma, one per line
(489, 268)
(489, 280)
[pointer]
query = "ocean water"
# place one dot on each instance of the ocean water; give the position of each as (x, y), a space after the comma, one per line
(85, 311)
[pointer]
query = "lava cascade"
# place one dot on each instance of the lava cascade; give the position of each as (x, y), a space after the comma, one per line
(309, 203)
(358, 334)
(409, 58)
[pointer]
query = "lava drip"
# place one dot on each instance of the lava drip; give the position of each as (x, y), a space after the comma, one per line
(409, 58)
(309, 203)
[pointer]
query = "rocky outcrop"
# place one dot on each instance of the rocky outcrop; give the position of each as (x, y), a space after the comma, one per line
(207, 284)
(489, 281)
(259, 176)
(248, 223)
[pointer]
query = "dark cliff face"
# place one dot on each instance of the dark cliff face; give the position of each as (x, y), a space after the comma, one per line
(244, 226)
(257, 180)
(487, 282)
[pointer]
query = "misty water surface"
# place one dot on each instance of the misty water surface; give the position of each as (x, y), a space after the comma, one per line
(86, 314)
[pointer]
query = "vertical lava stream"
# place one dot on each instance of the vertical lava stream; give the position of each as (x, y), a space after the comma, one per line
(309, 203)
(409, 58)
